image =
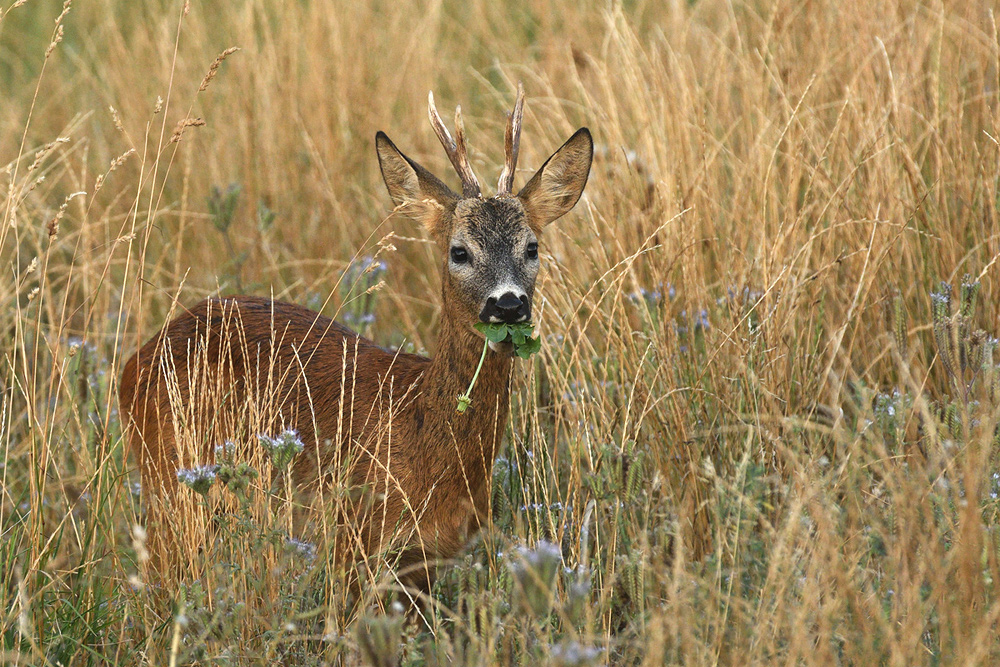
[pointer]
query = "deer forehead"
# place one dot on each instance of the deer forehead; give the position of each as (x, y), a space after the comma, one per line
(498, 223)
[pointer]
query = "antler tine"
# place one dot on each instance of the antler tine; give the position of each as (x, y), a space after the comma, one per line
(470, 184)
(456, 151)
(511, 144)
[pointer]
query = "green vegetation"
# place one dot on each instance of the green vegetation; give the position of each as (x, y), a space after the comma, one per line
(761, 427)
(519, 337)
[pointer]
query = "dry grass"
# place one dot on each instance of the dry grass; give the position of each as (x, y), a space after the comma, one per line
(753, 434)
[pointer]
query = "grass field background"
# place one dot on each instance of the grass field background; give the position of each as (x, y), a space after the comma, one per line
(762, 427)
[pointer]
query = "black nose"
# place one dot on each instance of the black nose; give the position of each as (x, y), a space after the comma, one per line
(509, 308)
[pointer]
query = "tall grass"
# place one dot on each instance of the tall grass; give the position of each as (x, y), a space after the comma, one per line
(761, 429)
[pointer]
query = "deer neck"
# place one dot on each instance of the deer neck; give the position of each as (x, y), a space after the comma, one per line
(473, 436)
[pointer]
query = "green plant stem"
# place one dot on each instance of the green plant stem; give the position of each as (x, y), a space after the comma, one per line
(465, 399)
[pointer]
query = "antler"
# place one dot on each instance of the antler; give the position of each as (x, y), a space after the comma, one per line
(455, 148)
(512, 141)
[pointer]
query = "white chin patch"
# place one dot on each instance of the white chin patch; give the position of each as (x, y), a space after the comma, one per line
(504, 349)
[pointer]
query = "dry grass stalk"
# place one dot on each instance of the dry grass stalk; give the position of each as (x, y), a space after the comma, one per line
(182, 125)
(214, 68)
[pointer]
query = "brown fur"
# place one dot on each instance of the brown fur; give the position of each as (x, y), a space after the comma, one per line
(386, 419)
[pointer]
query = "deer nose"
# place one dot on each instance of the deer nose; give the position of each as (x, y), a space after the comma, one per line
(509, 308)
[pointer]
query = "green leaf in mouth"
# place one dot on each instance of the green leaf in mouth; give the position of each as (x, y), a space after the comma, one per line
(518, 333)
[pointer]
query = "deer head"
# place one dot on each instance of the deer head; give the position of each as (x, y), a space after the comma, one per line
(490, 245)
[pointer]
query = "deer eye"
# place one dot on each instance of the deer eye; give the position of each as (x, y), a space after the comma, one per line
(532, 251)
(459, 255)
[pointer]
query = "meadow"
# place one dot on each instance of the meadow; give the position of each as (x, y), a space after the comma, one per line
(762, 427)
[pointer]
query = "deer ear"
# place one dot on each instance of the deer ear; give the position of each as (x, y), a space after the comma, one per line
(557, 186)
(421, 193)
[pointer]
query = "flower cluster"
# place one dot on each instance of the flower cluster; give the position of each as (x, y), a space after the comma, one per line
(574, 654)
(234, 476)
(698, 321)
(282, 448)
(358, 319)
(199, 478)
(365, 273)
(743, 296)
(653, 296)
(534, 572)
(358, 286)
(301, 548)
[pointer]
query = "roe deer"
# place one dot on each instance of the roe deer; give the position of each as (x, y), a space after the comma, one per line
(392, 415)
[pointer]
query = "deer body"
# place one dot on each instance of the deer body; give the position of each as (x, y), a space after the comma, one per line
(386, 418)
(331, 375)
